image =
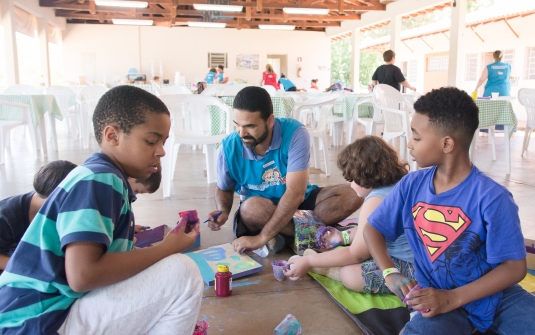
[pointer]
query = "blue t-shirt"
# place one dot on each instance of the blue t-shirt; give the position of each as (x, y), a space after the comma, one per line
(221, 76)
(457, 236)
(286, 83)
(297, 158)
(400, 248)
(14, 220)
(210, 77)
(498, 80)
(92, 204)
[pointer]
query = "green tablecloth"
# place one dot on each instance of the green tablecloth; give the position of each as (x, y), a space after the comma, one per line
(349, 101)
(282, 106)
(39, 105)
(493, 112)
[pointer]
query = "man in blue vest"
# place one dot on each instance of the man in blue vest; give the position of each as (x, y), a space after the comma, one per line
(266, 161)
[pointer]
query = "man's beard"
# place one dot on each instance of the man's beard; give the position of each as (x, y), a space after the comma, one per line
(255, 141)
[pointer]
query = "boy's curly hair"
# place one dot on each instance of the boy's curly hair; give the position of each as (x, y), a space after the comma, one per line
(125, 107)
(451, 112)
(370, 162)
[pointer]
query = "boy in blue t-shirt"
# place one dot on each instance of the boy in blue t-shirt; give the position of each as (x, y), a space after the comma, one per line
(81, 241)
(462, 226)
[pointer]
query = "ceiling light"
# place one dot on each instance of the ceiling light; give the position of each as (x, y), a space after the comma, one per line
(276, 26)
(133, 22)
(206, 24)
(218, 8)
(309, 11)
(121, 3)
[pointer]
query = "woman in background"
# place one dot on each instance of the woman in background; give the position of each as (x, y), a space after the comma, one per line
(269, 77)
(314, 84)
(497, 77)
(210, 76)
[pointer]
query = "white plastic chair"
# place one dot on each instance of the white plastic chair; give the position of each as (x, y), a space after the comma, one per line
(370, 124)
(526, 97)
(232, 90)
(169, 90)
(73, 119)
(21, 89)
(191, 124)
(395, 109)
(318, 131)
(6, 126)
(87, 100)
(214, 90)
(271, 90)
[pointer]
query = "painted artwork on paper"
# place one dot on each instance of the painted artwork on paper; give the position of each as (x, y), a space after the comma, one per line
(208, 259)
(247, 61)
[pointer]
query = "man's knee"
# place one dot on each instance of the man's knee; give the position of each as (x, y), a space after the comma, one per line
(256, 210)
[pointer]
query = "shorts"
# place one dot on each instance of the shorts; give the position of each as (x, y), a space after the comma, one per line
(372, 275)
(241, 230)
(291, 89)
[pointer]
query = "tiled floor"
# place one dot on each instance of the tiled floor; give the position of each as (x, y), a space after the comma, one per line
(259, 302)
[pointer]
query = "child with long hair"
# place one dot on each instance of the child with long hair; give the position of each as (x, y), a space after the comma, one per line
(269, 77)
(373, 169)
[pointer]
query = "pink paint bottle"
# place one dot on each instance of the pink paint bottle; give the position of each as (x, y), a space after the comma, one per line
(223, 281)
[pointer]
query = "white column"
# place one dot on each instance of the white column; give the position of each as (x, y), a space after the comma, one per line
(355, 59)
(395, 33)
(8, 22)
(42, 28)
(456, 57)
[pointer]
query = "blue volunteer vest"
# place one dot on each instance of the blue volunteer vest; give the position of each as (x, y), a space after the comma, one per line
(498, 80)
(264, 177)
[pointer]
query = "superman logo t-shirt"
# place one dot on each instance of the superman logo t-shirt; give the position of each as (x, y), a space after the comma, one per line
(457, 236)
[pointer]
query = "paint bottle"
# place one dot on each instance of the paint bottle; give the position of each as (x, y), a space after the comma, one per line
(223, 281)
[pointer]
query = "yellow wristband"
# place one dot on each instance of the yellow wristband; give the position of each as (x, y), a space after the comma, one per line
(389, 271)
(345, 236)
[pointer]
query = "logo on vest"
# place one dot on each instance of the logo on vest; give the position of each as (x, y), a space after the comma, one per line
(271, 177)
(268, 164)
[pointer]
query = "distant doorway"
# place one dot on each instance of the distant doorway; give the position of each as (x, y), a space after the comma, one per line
(279, 64)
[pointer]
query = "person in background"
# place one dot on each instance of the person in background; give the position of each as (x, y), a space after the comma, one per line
(314, 84)
(288, 85)
(156, 80)
(210, 76)
(497, 76)
(390, 74)
(269, 77)
(221, 78)
(18, 211)
(201, 86)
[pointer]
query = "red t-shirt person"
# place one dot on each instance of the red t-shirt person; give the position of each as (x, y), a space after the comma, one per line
(271, 79)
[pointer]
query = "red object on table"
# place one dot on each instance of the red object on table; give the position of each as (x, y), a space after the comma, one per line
(223, 281)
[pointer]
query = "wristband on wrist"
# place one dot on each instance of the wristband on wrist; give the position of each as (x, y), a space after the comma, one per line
(389, 271)
(345, 236)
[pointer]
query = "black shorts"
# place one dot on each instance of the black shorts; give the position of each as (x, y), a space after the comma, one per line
(241, 230)
(291, 89)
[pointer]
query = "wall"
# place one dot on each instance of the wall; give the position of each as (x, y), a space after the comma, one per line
(32, 6)
(184, 49)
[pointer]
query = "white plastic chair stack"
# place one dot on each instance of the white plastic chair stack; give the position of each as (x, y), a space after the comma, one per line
(87, 100)
(271, 90)
(6, 126)
(73, 119)
(323, 107)
(232, 90)
(526, 97)
(191, 124)
(390, 102)
(169, 90)
(214, 90)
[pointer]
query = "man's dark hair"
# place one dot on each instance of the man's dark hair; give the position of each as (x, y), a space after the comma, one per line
(388, 55)
(50, 176)
(370, 162)
(125, 107)
(451, 112)
(254, 99)
(221, 67)
(282, 75)
(153, 182)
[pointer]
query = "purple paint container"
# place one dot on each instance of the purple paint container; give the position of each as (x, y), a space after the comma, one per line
(415, 288)
(278, 269)
(288, 326)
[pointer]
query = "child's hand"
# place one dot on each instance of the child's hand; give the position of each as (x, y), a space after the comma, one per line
(299, 269)
(399, 284)
(177, 239)
(215, 224)
(436, 301)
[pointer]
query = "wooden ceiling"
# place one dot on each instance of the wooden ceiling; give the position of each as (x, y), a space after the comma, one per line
(173, 13)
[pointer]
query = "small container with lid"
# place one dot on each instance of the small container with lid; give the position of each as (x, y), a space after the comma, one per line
(223, 281)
